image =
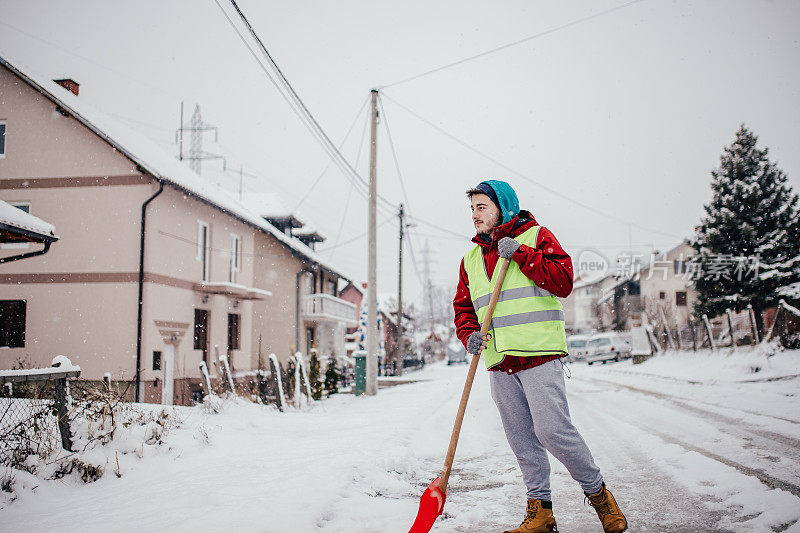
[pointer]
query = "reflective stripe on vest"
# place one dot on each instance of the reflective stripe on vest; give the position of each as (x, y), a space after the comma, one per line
(511, 294)
(527, 318)
(527, 321)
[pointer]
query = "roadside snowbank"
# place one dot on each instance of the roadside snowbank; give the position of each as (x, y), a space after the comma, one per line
(725, 365)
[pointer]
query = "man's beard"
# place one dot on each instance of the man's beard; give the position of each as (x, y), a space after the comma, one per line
(495, 223)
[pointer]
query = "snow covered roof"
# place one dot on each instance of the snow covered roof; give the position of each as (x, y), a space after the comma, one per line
(160, 164)
(790, 291)
(271, 207)
(356, 286)
(18, 226)
(309, 232)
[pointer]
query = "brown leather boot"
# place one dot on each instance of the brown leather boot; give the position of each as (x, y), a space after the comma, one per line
(608, 511)
(537, 519)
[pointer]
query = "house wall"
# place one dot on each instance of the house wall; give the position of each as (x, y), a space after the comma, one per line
(274, 320)
(173, 269)
(82, 295)
(584, 299)
(63, 146)
(81, 298)
(661, 276)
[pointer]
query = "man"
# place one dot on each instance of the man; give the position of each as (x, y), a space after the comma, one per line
(523, 349)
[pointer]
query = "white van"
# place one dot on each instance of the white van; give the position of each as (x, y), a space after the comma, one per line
(577, 347)
(611, 346)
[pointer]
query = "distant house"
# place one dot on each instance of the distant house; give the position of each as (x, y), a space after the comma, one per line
(665, 284)
(387, 308)
(660, 290)
(156, 269)
(306, 308)
(580, 306)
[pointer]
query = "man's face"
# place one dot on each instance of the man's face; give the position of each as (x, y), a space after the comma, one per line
(485, 214)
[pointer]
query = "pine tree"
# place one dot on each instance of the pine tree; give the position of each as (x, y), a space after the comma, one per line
(313, 376)
(332, 377)
(752, 213)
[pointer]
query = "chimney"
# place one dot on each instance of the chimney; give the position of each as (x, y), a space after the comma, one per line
(69, 84)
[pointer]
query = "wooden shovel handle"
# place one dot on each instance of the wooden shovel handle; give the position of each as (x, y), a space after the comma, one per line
(473, 366)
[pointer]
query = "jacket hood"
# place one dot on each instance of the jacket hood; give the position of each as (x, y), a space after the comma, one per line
(506, 197)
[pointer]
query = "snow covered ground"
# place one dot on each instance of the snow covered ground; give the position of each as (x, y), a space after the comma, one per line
(687, 442)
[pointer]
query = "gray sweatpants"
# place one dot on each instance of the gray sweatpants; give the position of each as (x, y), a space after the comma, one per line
(533, 408)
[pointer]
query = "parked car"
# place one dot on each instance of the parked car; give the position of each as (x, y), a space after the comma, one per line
(604, 347)
(456, 353)
(577, 347)
(413, 361)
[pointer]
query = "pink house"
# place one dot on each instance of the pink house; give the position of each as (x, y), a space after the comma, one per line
(156, 269)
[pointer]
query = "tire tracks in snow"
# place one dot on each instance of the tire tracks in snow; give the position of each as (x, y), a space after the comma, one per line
(693, 382)
(733, 428)
(649, 496)
(734, 425)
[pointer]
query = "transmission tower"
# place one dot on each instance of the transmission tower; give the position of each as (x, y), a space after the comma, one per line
(428, 291)
(195, 129)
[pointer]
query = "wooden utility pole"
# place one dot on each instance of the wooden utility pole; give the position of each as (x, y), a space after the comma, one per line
(399, 348)
(372, 295)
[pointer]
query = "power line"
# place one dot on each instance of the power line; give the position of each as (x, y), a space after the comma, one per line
(297, 105)
(405, 196)
(325, 170)
(526, 178)
(350, 190)
(359, 236)
(515, 43)
(414, 259)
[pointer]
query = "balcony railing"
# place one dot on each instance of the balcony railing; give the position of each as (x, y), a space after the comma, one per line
(327, 307)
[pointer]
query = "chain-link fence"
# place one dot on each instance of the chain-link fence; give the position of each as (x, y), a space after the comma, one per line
(34, 413)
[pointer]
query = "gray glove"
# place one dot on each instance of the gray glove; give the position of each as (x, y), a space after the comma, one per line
(476, 342)
(507, 246)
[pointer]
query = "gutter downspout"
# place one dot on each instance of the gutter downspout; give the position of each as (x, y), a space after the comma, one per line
(27, 254)
(297, 309)
(141, 292)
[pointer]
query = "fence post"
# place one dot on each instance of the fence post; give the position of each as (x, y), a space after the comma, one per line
(300, 376)
(226, 371)
(694, 335)
(753, 324)
(778, 311)
(206, 378)
(275, 369)
(730, 327)
(666, 328)
(63, 414)
(708, 331)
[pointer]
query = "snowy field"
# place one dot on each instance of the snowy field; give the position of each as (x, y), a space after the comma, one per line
(687, 442)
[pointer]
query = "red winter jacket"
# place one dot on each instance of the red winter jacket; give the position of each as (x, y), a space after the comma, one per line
(548, 265)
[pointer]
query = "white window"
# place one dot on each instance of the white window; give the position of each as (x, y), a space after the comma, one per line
(24, 206)
(203, 247)
(236, 257)
(2, 139)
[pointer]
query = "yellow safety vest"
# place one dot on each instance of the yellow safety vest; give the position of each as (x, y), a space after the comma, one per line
(528, 321)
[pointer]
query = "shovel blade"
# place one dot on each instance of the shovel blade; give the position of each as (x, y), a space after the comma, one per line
(430, 507)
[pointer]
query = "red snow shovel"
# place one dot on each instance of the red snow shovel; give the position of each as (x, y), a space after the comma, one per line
(432, 502)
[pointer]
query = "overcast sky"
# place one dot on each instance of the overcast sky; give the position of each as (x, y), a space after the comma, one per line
(624, 113)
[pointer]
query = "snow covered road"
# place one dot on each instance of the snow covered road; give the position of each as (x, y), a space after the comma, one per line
(715, 452)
